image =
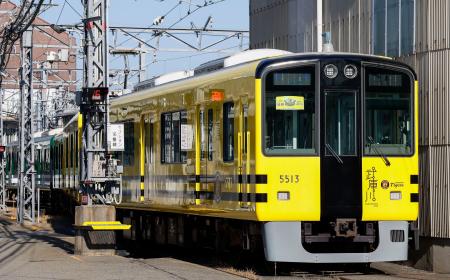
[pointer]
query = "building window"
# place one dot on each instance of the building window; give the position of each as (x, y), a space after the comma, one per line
(393, 27)
(171, 137)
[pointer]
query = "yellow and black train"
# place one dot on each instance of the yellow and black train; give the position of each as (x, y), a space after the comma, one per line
(315, 156)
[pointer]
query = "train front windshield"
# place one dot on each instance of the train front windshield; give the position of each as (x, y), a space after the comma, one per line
(388, 112)
(385, 103)
(290, 112)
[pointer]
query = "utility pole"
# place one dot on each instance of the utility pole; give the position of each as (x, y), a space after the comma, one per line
(98, 178)
(26, 194)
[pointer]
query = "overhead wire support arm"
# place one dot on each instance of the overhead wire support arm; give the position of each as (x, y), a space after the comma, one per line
(182, 41)
(138, 39)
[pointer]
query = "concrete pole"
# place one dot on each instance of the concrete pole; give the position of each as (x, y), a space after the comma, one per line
(319, 26)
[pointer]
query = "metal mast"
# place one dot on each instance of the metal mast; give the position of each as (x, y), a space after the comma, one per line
(26, 193)
(97, 178)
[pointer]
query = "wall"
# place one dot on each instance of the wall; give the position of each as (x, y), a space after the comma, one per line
(283, 24)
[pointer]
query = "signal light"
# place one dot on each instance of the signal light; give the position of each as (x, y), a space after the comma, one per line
(2, 149)
(97, 94)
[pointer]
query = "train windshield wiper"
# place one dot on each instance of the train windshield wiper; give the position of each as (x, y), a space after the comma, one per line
(333, 152)
(377, 151)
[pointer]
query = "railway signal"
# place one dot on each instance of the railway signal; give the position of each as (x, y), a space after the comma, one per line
(98, 176)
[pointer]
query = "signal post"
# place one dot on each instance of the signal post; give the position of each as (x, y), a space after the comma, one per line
(99, 179)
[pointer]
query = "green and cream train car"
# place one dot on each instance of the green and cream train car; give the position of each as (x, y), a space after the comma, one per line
(314, 154)
(42, 160)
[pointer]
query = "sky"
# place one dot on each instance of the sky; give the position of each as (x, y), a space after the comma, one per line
(226, 14)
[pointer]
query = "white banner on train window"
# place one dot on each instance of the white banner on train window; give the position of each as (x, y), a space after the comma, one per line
(116, 137)
(187, 137)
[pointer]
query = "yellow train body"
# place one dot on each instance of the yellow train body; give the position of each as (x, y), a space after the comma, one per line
(240, 87)
(200, 146)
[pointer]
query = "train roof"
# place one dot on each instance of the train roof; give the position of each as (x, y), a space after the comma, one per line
(42, 138)
(240, 64)
(256, 60)
(72, 123)
(329, 55)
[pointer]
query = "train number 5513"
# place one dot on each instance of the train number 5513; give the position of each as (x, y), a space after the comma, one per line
(289, 179)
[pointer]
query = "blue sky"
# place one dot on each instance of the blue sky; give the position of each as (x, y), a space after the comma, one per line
(229, 14)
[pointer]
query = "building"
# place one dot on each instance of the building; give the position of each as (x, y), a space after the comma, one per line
(416, 32)
(55, 74)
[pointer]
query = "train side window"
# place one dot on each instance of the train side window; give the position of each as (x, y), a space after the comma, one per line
(228, 131)
(128, 154)
(171, 137)
(71, 150)
(76, 149)
(210, 134)
(202, 135)
(66, 147)
(183, 122)
(61, 153)
(149, 142)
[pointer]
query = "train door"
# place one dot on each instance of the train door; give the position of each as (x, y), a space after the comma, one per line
(149, 156)
(243, 153)
(341, 170)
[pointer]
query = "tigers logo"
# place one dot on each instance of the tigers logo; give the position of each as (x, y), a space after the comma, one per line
(385, 184)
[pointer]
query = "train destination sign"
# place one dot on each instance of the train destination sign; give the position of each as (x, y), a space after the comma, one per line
(290, 103)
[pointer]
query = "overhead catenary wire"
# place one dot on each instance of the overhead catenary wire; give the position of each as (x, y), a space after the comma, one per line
(53, 31)
(133, 75)
(189, 13)
(73, 8)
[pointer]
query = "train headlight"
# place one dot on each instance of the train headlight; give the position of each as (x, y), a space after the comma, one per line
(350, 71)
(396, 195)
(331, 71)
(283, 196)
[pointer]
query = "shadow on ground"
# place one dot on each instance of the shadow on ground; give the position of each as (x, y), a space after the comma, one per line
(243, 262)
